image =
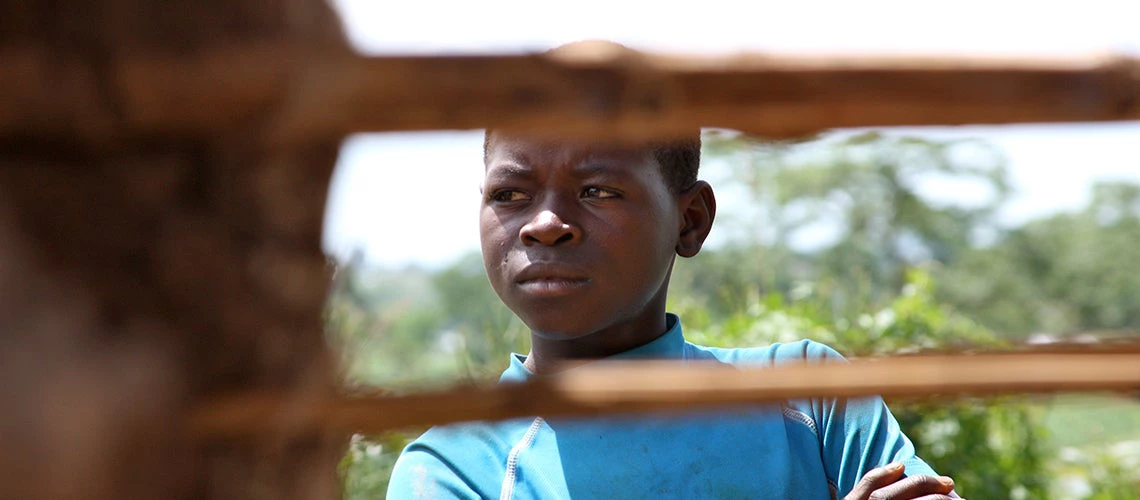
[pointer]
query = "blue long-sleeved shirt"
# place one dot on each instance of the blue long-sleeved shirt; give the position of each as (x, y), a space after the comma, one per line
(812, 448)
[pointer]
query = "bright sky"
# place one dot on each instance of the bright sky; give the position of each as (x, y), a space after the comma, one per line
(404, 198)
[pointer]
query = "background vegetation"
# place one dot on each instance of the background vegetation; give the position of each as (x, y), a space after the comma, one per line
(854, 241)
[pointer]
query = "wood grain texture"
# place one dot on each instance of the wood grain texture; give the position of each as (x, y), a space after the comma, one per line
(604, 95)
(147, 262)
(631, 387)
(637, 97)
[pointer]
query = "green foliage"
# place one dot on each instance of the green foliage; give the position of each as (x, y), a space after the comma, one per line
(993, 448)
(1112, 473)
(451, 328)
(486, 330)
(367, 465)
(867, 191)
(1112, 480)
(1067, 273)
(1093, 420)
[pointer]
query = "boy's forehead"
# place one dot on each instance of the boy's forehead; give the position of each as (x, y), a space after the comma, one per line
(545, 151)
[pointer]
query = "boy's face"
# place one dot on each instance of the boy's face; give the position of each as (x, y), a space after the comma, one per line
(577, 238)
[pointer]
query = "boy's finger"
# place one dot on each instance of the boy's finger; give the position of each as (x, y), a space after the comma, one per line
(915, 487)
(875, 479)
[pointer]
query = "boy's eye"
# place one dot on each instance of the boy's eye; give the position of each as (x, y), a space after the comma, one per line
(507, 195)
(599, 192)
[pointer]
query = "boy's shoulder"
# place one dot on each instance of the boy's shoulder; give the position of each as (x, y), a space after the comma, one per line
(483, 441)
(464, 460)
(776, 354)
(476, 441)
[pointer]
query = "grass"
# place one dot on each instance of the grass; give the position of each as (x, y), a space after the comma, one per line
(1092, 420)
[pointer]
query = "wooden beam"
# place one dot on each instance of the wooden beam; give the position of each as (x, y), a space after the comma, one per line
(637, 96)
(668, 386)
(295, 95)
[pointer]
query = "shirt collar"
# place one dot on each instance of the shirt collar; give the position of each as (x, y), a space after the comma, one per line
(670, 345)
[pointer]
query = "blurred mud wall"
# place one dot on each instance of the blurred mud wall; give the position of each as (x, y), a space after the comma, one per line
(145, 274)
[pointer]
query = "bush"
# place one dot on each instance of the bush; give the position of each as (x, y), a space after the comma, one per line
(993, 448)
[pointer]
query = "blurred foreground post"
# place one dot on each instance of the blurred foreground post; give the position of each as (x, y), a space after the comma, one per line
(144, 273)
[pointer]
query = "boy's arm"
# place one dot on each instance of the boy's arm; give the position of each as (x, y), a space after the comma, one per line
(423, 474)
(860, 435)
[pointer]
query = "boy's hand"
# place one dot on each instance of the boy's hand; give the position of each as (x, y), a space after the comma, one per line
(887, 482)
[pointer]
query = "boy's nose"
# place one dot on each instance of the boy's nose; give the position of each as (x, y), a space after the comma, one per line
(547, 228)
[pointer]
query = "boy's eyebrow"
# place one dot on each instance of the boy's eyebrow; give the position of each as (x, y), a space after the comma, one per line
(509, 170)
(599, 168)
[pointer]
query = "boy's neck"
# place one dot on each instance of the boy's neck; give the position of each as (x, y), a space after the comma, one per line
(550, 355)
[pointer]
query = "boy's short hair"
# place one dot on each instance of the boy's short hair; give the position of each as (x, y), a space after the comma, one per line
(680, 160)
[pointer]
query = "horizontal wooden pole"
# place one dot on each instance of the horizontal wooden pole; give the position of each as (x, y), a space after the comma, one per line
(637, 96)
(291, 94)
(632, 387)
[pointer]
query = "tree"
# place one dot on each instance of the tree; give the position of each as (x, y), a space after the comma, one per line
(488, 331)
(993, 448)
(869, 195)
(1066, 273)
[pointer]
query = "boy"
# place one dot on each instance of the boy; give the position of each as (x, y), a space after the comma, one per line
(579, 242)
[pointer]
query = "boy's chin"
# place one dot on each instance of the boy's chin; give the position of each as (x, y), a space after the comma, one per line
(549, 327)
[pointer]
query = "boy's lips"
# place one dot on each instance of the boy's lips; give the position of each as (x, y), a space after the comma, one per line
(551, 279)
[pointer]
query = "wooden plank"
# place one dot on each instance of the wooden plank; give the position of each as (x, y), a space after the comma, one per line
(637, 96)
(295, 95)
(668, 386)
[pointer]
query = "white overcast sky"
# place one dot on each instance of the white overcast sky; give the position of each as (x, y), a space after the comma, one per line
(412, 198)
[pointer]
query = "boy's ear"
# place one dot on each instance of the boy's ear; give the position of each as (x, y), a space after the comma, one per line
(698, 209)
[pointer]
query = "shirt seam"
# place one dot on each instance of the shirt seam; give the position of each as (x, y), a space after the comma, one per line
(513, 459)
(803, 418)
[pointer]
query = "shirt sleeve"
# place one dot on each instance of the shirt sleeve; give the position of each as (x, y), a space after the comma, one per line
(859, 434)
(423, 474)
